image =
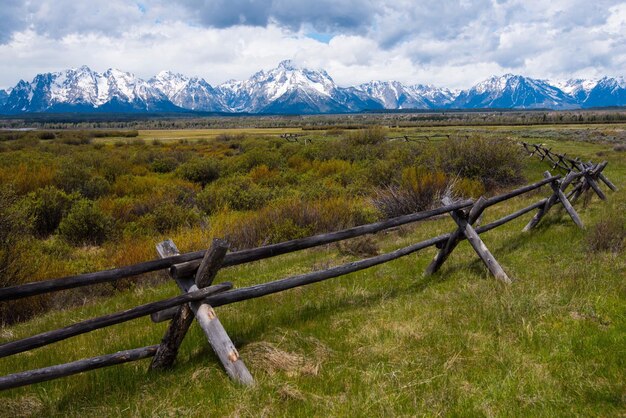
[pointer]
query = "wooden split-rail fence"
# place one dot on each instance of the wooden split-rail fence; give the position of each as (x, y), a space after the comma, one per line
(195, 273)
(568, 164)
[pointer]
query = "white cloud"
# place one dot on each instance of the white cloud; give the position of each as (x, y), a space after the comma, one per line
(453, 43)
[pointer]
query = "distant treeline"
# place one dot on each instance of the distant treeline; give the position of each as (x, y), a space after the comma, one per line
(345, 121)
(67, 136)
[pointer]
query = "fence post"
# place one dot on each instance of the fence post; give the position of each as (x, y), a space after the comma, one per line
(480, 247)
(590, 173)
(450, 245)
(210, 324)
(556, 196)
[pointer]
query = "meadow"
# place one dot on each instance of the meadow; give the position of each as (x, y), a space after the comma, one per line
(384, 341)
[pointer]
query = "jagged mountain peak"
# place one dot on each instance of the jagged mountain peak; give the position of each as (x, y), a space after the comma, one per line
(614, 82)
(292, 88)
(394, 95)
(514, 91)
(288, 65)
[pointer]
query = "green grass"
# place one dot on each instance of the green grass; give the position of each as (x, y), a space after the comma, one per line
(385, 341)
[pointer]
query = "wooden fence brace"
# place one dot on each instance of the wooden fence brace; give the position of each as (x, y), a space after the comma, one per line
(591, 179)
(590, 173)
(606, 181)
(92, 324)
(556, 197)
(181, 321)
(61, 370)
(208, 320)
(556, 188)
(479, 246)
(475, 212)
(574, 164)
(211, 263)
(452, 242)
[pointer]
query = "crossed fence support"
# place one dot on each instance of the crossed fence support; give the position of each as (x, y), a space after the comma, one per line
(466, 219)
(205, 315)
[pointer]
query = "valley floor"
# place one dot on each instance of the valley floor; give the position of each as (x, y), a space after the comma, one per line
(386, 341)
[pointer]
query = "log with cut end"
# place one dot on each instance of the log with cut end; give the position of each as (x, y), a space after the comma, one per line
(208, 321)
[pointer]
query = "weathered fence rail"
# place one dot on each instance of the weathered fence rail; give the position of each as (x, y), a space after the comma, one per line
(195, 272)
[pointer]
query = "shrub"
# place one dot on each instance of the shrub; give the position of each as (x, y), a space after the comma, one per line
(13, 225)
(467, 188)
(609, 233)
(369, 136)
(85, 224)
(201, 171)
(169, 216)
(26, 178)
(230, 137)
(289, 219)
(15, 267)
(419, 190)
(236, 193)
(262, 174)
(47, 207)
(76, 140)
(74, 176)
(95, 187)
(47, 135)
(495, 162)
(164, 165)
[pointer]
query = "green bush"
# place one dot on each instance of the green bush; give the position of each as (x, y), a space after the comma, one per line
(95, 187)
(168, 217)
(16, 259)
(47, 207)
(418, 190)
(495, 162)
(75, 176)
(47, 135)
(164, 165)
(236, 193)
(14, 226)
(200, 170)
(85, 224)
(294, 218)
(369, 136)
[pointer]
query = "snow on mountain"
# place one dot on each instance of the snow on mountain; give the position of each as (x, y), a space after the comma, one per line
(289, 88)
(82, 89)
(607, 92)
(394, 95)
(577, 88)
(286, 89)
(438, 97)
(514, 91)
(188, 93)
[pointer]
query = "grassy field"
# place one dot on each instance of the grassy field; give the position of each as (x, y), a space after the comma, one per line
(385, 341)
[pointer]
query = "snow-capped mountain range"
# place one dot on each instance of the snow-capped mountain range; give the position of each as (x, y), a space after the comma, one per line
(290, 89)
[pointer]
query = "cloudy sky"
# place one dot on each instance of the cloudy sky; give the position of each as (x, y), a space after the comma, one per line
(452, 43)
